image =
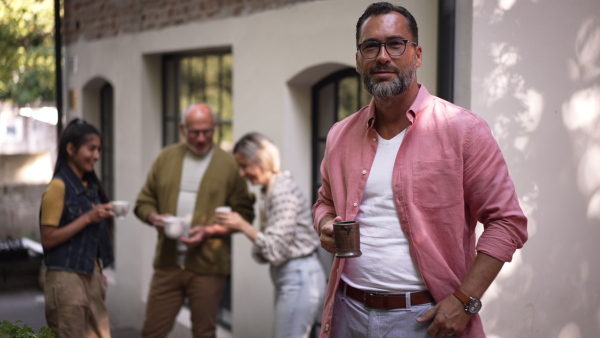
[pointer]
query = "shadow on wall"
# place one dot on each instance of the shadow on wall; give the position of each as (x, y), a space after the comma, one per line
(538, 86)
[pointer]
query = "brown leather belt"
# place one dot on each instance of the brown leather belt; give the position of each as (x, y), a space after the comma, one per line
(387, 301)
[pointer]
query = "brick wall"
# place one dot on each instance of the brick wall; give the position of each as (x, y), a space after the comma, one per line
(97, 19)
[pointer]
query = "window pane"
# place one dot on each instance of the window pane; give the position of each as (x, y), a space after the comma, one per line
(348, 100)
(226, 136)
(325, 106)
(212, 87)
(200, 78)
(226, 80)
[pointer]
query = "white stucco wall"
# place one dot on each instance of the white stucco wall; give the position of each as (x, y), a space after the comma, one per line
(536, 80)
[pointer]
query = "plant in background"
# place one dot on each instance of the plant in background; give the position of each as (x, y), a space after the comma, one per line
(12, 330)
(27, 51)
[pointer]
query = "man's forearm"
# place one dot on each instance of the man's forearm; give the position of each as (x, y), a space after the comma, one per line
(481, 275)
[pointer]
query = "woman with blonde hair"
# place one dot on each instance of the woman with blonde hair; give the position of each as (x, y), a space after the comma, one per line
(286, 240)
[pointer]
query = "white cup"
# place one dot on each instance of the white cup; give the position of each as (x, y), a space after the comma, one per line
(120, 208)
(175, 227)
(225, 208)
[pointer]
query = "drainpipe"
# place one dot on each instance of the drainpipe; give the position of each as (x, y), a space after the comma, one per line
(58, 65)
(446, 48)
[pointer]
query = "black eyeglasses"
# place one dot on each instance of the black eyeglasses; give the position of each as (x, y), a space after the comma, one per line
(394, 47)
(195, 133)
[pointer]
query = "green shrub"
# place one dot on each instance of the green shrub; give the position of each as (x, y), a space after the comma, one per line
(10, 330)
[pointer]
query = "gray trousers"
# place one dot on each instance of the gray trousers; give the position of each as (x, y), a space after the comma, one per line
(352, 319)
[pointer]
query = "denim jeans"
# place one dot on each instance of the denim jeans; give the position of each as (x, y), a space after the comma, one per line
(352, 319)
(299, 291)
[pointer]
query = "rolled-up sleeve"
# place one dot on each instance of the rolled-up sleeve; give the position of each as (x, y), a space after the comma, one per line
(324, 205)
(490, 195)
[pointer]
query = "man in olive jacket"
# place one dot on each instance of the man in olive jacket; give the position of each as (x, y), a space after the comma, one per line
(191, 179)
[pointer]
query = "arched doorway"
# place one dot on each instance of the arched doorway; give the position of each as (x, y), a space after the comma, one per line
(98, 109)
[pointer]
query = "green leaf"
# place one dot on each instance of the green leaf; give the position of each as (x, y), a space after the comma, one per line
(10, 330)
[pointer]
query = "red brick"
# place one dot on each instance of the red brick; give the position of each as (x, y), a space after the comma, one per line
(107, 18)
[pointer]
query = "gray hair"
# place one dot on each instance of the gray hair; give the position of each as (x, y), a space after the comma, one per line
(192, 106)
(258, 149)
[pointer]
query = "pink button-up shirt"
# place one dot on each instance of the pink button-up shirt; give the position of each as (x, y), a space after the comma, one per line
(448, 175)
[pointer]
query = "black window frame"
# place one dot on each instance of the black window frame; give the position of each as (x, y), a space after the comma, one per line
(362, 99)
(171, 91)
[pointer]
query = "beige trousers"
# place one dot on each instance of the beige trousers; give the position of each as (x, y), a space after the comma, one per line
(169, 288)
(75, 304)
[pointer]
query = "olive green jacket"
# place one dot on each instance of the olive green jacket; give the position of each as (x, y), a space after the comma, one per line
(221, 185)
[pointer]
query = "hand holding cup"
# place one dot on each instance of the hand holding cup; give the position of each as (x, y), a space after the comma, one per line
(175, 227)
(347, 239)
(120, 208)
(227, 218)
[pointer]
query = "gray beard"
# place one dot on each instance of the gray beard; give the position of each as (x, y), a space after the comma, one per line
(388, 90)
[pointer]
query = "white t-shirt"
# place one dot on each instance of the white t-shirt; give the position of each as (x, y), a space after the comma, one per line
(192, 172)
(385, 264)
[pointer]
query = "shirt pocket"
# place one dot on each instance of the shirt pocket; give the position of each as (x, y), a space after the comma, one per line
(74, 210)
(437, 184)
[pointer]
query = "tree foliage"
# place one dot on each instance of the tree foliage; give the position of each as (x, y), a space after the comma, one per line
(27, 51)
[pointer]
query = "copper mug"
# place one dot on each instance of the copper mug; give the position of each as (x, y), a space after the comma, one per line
(347, 239)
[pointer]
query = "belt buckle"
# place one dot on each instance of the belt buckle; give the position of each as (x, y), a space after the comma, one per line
(370, 299)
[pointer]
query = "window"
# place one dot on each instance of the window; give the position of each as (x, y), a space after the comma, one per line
(106, 126)
(193, 78)
(334, 98)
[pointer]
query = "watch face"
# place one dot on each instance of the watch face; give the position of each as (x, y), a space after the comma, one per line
(473, 306)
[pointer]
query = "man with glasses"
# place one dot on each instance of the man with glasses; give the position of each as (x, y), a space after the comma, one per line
(417, 173)
(191, 179)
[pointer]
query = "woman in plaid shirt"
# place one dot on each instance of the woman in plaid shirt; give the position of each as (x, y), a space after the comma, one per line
(286, 239)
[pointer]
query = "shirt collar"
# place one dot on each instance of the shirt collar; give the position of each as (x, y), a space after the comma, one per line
(422, 101)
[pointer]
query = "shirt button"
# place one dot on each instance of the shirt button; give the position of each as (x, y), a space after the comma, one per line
(364, 172)
(374, 139)
(355, 204)
(327, 327)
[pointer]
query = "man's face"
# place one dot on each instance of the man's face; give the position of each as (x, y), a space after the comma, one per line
(387, 76)
(198, 130)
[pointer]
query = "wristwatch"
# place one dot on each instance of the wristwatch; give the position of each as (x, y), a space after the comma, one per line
(472, 304)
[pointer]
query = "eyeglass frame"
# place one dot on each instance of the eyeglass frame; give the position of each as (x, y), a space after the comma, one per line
(196, 133)
(406, 41)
